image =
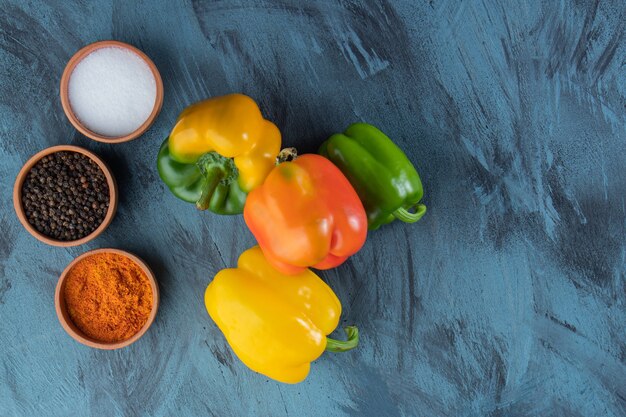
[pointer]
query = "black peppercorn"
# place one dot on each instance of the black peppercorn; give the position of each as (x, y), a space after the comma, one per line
(65, 196)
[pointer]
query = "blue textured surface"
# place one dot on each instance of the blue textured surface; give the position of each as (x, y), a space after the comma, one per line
(506, 299)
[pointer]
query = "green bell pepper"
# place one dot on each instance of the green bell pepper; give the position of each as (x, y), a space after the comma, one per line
(382, 175)
(210, 182)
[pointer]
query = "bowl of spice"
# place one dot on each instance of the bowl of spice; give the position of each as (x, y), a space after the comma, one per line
(111, 91)
(65, 196)
(107, 298)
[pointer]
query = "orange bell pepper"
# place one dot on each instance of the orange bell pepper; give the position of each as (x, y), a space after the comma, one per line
(306, 213)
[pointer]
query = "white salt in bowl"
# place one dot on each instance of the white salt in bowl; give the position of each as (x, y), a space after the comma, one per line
(111, 91)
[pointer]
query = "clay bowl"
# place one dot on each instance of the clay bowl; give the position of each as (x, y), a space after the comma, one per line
(65, 101)
(79, 336)
(19, 209)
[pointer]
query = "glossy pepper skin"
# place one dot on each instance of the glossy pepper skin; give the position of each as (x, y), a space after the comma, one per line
(226, 140)
(382, 175)
(306, 213)
(276, 324)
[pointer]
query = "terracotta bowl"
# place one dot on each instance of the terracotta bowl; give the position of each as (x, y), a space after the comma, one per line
(70, 327)
(19, 209)
(65, 101)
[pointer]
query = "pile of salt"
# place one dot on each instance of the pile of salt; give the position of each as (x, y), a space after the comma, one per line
(112, 91)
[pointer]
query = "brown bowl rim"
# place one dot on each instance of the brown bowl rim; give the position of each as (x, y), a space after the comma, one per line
(70, 327)
(17, 195)
(67, 108)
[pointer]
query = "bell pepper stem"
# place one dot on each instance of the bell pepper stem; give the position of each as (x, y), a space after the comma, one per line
(406, 216)
(333, 345)
(286, 155)
(210, 182)
(214, 168)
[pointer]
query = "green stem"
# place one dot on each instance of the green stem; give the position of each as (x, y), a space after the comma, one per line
(211, 181)
(404, 215)
(214, 168)
(352, 332)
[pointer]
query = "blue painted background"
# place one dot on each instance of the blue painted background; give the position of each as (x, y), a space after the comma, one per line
(507, 299)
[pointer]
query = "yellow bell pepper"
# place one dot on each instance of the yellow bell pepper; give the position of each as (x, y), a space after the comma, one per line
(275, 323)
(233, 127)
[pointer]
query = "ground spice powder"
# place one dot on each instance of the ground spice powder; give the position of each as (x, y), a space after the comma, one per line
(108, 297)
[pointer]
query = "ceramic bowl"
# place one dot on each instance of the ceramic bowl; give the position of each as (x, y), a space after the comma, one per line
(78, 335)
(19, 209)
(65, 101)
